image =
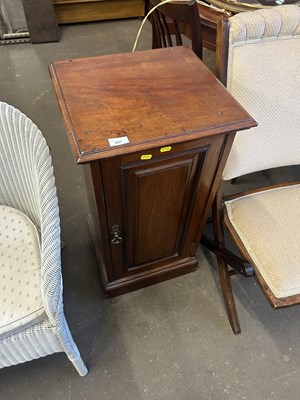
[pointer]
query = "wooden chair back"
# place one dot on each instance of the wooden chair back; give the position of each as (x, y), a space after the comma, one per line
(170, 20)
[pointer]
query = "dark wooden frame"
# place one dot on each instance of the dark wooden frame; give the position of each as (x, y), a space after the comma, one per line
(222, 49)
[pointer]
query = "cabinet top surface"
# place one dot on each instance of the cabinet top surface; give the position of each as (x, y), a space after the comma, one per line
(154, 98)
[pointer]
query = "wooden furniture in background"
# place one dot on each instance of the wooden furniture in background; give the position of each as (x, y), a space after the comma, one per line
(151, 196)
(214, 10)
(248, 5)
(169, 20)
(68, 11)
(41, 20)
(209, 18)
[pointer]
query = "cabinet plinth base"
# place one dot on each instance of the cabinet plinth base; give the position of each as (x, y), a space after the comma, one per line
(141, 279)
(148, 278)
(151, 277)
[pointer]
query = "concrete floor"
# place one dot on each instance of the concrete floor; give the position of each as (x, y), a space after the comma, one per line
(168, 341)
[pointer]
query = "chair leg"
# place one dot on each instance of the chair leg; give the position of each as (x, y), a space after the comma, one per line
(228, 296)
(68, 344)
(80, 366)
(217, 217)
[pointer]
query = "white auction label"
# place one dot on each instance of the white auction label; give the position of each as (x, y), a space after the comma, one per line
(118, 141)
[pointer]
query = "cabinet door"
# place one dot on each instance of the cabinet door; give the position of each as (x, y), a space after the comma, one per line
(158, 197)
(155, 203)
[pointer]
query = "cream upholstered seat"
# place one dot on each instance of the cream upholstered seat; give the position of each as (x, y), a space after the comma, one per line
(262, 72)
(271, 237)
(20, 295)
(32, 321)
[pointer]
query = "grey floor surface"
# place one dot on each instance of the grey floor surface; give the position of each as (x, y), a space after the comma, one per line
(168, 341)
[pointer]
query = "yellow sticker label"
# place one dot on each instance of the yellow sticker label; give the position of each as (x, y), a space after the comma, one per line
(164, 149)
(146, 157)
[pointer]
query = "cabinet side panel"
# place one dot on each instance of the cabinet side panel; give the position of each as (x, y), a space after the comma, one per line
(97, 219)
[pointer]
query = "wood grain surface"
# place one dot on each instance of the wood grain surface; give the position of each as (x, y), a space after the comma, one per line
(153, 97)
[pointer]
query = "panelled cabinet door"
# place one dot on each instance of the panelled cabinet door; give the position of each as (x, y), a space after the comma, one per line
(153, 203)
(158, 197)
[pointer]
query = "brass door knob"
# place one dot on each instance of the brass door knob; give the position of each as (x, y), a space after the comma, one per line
(115, 235)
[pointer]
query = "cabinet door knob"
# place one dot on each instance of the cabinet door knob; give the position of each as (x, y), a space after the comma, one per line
(115, 235)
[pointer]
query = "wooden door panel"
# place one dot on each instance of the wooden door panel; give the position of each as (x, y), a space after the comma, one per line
(157, 198)
(157, 212)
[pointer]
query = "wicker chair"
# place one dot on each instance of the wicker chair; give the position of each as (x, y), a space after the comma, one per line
(32, 321)
(262, 72)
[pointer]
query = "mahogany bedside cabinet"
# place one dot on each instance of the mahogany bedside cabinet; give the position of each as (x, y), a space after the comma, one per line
(155, 128)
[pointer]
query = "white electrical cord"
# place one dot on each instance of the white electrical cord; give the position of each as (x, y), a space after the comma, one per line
(145, 19)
